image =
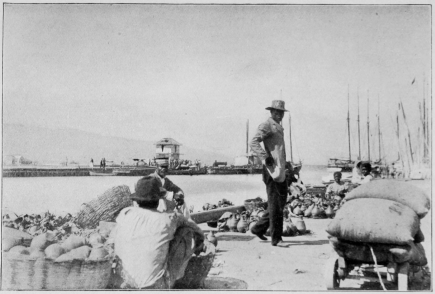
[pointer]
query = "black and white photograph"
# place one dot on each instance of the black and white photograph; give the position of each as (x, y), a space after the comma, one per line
(217, 146)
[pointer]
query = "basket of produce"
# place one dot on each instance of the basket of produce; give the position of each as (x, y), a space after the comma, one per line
(253, 204)
(57, 259)
(197, 269)
(105, 207)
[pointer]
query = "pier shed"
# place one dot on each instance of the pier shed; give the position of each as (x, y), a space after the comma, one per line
(168, 148)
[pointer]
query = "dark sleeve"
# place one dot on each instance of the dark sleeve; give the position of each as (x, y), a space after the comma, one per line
(172, 187)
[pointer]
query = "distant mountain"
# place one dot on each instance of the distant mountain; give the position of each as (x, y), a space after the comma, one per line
(46, 145)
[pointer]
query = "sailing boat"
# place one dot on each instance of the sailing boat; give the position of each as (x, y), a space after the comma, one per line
(297, 166)
(345, 166)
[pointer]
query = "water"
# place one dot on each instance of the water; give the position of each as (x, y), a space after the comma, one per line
(66, 194)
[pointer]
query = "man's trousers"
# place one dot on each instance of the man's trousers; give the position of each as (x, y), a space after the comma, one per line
(274, 216)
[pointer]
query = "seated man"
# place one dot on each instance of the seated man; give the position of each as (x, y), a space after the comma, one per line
(337, 189)
(356, 173)
(366, 169)
(296, 187)
(171, 201)
(153, 248)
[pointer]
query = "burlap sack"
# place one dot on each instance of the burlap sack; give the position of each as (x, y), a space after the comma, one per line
(361, 252)
(375, 221)
(402, 192)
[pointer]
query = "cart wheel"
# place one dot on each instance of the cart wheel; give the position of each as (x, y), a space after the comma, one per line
(332, 279)
(402, 277)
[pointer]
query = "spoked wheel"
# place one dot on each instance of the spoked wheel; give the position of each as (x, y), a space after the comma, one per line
(332, 278)
(402, 277)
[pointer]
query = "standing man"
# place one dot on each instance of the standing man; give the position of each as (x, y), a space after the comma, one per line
(271, 133)
(175, 200)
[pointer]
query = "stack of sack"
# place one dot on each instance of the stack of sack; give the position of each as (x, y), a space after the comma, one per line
(384, 215)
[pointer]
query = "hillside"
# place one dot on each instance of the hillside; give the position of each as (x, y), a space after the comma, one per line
(46, 145)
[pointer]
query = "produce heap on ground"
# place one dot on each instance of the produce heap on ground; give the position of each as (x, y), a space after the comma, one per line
(57, 238)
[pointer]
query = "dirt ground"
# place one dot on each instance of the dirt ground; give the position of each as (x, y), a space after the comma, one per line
(298, 263)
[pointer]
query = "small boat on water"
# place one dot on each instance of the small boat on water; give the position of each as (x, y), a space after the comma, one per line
(91, 173)
(345, 166)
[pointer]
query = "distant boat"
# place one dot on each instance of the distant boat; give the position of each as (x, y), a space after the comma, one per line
(91, 173)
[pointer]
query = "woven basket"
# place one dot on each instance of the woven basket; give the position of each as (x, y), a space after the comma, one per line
(104, 208)
(25, 273)
(197, 269)
(252, 204)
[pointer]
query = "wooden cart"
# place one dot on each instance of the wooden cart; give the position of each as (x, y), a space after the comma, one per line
(338, 269)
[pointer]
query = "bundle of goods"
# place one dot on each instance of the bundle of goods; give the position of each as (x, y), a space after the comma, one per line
(253, 204)
(56, 259)
(221, 203)
(243, 222)
(383, 215)
(313, 206)
(105, 207)
(234, 222)
(291, 229)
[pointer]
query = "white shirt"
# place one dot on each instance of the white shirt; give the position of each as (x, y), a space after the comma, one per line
(142, 242)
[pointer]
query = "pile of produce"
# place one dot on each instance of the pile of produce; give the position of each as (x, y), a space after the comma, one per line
(221, 203)
(385, 215)
(243, 222)
(313, 206)
(53, 237)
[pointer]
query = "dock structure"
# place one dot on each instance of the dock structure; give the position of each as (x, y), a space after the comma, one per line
(48, 172)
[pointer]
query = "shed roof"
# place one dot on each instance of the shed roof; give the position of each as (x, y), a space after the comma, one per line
(167, 141)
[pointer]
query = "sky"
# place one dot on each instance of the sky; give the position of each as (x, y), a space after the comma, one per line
(198, 73)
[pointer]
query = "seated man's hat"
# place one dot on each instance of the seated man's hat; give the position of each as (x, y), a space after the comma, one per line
(162, 162)
(277, 104)
(148, 189)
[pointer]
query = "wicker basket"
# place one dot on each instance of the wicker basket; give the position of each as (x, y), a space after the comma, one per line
(25, 273)
(252, 204)
(197, 269)
(104, 208)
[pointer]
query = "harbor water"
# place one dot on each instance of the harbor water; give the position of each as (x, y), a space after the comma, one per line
(66, 194)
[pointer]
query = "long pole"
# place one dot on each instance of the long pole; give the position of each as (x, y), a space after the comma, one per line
(359, 133)
(409, 134)
(379, 129)
(290, 136)
(368, 126)
(247, 136)
(424, 122)
(348, 123)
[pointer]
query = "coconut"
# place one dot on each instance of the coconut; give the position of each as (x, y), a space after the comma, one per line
(98, 253)
(54, 251)
(96, 240)
(64, 257)
(19, 249)
(43, 241)
(80, 253)
(35, 252)
(73, 242)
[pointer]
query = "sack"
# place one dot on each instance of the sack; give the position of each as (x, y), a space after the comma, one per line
(402, 192)
(375, 221)
(361, 252)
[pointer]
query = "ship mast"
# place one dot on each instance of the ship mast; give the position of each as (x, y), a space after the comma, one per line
(247, 137)
(290, 136)
(359, 133)
(348, 122)
(379, 130)
(368, 125)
